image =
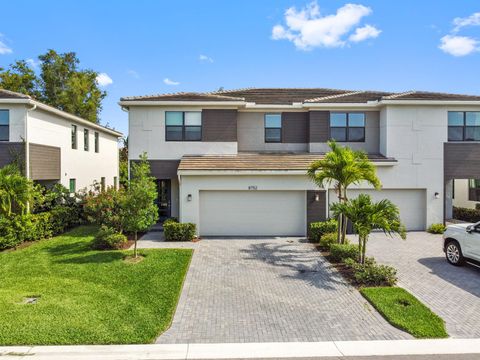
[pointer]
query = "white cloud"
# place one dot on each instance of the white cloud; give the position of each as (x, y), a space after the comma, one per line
(458, 45)
(170, 82)
(4, 48)
(104, 80)
(472, 20)
(205, 58)
(364, 33)
(133, 74)
(32, 63)
(307, 28)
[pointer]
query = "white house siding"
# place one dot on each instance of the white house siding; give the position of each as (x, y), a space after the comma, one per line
(147, 134)
(17, 114)
(46, 128)
(461, 195)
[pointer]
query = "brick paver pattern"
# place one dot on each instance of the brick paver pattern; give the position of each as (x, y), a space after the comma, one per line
(269, 290)
(451, 292)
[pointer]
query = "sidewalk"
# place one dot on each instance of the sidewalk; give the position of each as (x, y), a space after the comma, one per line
(332, 349)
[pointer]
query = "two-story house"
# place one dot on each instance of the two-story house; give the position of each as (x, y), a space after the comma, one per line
(53, 146)
(234, 162)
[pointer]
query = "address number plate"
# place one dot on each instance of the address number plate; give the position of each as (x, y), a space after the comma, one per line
(252, 187)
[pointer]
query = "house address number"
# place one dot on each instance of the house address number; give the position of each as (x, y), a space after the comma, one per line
(252, 187)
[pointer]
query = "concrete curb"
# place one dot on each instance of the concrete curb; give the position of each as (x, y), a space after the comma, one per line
(244, 350)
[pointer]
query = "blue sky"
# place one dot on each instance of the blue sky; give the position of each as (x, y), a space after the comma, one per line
(374, 45)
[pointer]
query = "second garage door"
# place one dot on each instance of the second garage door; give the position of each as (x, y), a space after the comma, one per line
(252, 213)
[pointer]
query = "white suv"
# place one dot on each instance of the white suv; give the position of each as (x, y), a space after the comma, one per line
(462, 243)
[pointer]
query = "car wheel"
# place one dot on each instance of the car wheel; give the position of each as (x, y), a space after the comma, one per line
(453, 253)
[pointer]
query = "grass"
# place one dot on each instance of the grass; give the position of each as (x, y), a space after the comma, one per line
(405, 311)
(87, 296)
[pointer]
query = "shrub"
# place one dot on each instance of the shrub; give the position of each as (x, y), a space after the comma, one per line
(328, 240)
(106, 208)
(341, 252)
(464, 214)
(436, 229)
(372, 274)
(108, 239)
(170, 220)
(477, 206)
(317, 229)
(179, 231)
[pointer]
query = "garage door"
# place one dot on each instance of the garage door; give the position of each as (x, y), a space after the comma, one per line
(252, 213)
(411, 203)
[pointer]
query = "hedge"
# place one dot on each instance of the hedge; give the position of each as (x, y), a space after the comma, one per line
(464, 214)
(317, 229)
(179, 231)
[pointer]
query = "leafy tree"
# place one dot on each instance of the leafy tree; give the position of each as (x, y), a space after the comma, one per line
(16, 191)
(21, 78)
(139, 209)
(367, 216)
(123, 154)
(60, 84)
(343, 167)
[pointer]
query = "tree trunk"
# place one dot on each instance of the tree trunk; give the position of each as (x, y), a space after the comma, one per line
(340, 218)
(360, 244)
(364, 249)
(135, 246)
(345, 219)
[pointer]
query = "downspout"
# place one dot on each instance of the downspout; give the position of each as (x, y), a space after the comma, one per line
(27, 150)
(125, 108)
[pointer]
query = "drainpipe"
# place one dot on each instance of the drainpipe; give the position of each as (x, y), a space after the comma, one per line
(126, 109)
(27, 149)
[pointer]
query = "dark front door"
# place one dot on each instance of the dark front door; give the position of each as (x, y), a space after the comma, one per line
(164, 198)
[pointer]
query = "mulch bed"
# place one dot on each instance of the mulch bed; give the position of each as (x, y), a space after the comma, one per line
(347, 273)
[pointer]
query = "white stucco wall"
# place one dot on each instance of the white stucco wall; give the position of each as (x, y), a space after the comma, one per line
(46, 128)
(17, 121)
(147, 134)
(461, 195)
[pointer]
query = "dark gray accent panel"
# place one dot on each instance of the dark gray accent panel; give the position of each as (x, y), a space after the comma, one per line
(44, 162)
(219, 125)
(319, 126)
(316, 210)
(295, 127)
(461, 160)
(10, 151)
(164, 169)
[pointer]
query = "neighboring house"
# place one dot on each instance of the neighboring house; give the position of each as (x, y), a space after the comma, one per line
(466, 193)
(54, 146)
(234, 162)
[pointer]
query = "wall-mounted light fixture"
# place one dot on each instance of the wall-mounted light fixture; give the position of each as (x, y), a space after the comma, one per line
(317, 197)
(189, 197)
(437, 195)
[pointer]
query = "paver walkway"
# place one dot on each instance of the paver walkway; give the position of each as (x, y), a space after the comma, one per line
(269, 290)
(451, 292)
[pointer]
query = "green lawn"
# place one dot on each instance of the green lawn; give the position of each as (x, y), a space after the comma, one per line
(87, 296)
(405, 311)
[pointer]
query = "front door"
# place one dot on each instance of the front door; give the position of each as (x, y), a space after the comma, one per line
(164, 198)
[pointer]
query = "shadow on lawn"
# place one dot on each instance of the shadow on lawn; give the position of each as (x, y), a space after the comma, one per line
(82, 253)
(466, 277)
(305, 263)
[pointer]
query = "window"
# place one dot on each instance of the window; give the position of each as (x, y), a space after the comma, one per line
(464, 126)
(85, 139)
(97, 144)
(347, 127)
(73, 185)
(273, 128)
(74, 136)
(4, 125)
(102, 183)
(115, 182)
(474, 189)
(183, 126)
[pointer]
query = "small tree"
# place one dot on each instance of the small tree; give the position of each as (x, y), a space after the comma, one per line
(367, 216)
(16, 191)
(139, 209)
(343, 167)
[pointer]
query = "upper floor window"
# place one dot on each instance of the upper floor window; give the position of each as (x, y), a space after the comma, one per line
(97, 142)
(347, 127)
(4, 125)
(183, 126)
(464, 126)
(85, 140)
(74, 136)
(273, 128)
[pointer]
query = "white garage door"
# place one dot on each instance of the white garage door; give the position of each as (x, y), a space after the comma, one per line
(252, 213)
(411, 203)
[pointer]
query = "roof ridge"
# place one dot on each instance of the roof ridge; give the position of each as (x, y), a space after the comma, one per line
(335, 96)
(397, 95)
(127, 98)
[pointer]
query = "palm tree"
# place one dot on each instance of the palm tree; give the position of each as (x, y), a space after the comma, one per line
(343, 167)
(367, 216)
(15, 191)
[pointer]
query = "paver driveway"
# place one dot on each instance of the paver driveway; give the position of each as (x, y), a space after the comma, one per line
(262, 290)
(452, 292)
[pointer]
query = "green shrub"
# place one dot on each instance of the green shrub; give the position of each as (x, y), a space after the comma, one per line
(464, 214)
(170, 220)
(108, 239)
(174, 231)
(372, 274)
(328, 240)
(437, 229)
(317, 229)
(341, 252)
(477, 206)
(106, 208)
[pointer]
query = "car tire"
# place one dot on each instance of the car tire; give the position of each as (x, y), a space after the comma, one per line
(453, 253)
